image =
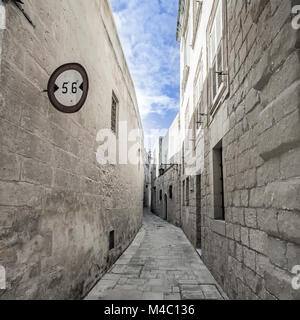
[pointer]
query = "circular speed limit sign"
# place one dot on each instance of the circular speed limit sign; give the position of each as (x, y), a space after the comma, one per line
(68, 88)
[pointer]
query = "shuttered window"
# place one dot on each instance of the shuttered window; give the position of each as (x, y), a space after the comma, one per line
(187, 191)
(217, 61)
(114, 113)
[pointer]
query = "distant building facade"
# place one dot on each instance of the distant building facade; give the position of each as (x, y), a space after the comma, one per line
(64, 218)
(147, 179)
(239, 143)
(165, 176)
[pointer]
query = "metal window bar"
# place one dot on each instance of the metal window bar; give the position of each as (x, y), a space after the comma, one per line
(114, 115)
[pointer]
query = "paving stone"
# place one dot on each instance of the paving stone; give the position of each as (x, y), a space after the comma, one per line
(122, 294)
(211, 292)
(192, 295)
(160, 264)
(152, 296)
(172, 296)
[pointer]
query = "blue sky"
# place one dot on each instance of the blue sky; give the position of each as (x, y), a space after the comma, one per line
(147, 29)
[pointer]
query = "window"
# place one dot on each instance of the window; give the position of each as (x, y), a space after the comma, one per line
(194, 139)
(217, 55)
(187, 191)
(186, 53)
(112, 240)
(114, 114)
(218, 182)
(197, 7)
(183, 159)
(160, 195)
(198, 90)
(171, 192)
(183, 193)
(187, 49)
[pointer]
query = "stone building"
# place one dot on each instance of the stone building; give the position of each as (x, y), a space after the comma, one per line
(240, 101)
(147, 179)
(64, 218)
(165, 176)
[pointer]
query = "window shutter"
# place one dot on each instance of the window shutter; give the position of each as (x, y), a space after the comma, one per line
(225, 45)
(209, 88)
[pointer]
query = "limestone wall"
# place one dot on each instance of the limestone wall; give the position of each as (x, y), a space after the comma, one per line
(57, 204)
(167, 207)
(253, 252)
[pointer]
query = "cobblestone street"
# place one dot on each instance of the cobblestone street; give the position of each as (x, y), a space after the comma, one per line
(160, 264)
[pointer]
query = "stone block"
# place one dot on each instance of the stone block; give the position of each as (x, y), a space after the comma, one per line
(245, 198)
(258, 240)
(287, 102)
(237, 232)
(237, 199)
(10, 108)
(262, 264)
(250, 218)
(7, 217)
(267, 221)
(245, 236)
(229, 231)
(36, 172)
(211, 292)
(257, 198)
(250, 178)
(32, 146)
(252, 100)
(281, 137)
(249, 258)
(289, 226)
(35, 73)
(9, 165)
(289, 164)
(268, 172)
(8, 135)
(277, 252)
(219, 227)
(262, 73)
(254, 281)
(231, 248)
(19, 194)
(283, 195)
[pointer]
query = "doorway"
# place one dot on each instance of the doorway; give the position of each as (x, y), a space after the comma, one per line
(153, 204)
(166, 208)
(198, 213)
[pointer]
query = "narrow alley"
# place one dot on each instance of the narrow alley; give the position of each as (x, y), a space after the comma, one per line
(149, 150)
(160, 264)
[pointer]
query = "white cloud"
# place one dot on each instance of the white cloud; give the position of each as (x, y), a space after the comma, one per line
(145, 28)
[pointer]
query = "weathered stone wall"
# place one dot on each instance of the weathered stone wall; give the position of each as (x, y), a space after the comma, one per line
(57, 204)
(253, 252)
(170, 178)
(189, 212)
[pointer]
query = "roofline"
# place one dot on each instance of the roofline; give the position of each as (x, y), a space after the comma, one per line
(179, 26)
